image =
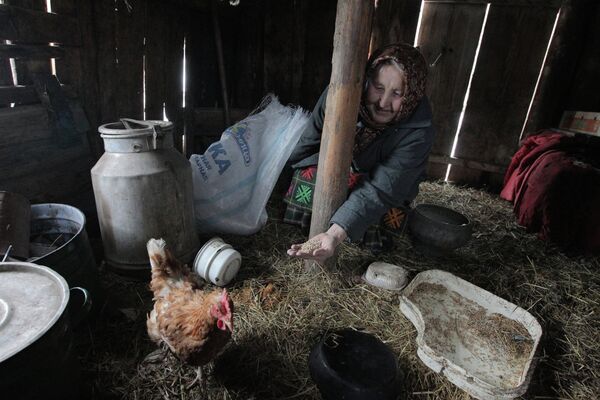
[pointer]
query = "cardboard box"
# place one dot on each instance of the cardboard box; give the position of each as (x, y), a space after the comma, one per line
(581, 121)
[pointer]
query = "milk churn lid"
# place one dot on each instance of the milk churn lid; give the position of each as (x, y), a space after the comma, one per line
(128, 128)
(32, 299)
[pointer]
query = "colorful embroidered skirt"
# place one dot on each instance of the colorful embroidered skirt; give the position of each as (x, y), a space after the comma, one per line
(299, 200)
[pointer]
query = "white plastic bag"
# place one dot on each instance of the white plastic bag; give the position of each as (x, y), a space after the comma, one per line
(234, 178)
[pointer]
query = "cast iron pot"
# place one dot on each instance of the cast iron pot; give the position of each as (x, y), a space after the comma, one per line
(437, 230)
(352, 365)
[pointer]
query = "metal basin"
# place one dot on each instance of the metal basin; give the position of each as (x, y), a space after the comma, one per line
(37, 360)
(437, 230)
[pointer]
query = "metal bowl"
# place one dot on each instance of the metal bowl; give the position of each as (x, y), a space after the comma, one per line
(437, 230)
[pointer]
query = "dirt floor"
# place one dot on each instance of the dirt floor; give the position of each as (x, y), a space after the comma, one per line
(282, 310)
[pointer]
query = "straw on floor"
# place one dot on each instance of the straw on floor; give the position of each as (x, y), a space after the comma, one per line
(281, 311)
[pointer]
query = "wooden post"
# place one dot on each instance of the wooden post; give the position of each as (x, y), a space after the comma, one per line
(350, 48)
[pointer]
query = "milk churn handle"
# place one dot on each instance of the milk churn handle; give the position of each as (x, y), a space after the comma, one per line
(156, 132)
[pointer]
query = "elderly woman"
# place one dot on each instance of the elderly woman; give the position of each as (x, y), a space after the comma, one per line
(393, 139)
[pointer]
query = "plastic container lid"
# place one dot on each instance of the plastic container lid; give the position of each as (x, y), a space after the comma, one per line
(386, 276)
(217, 262)
(32, 299)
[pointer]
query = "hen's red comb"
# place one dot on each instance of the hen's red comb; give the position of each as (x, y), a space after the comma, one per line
(225, 301)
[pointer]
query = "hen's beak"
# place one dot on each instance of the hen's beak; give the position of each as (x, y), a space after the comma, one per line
(229, 325)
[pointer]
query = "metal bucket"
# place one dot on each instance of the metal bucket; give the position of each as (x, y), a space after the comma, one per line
(14, 225)
(59, 241)
(37, 358)
(143, 190)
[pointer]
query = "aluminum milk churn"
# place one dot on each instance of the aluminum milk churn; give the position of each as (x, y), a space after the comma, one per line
(143, 190)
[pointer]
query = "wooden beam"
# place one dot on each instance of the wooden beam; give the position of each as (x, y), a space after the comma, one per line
(30, 52)
(25, 94)
(520, 3)
(350, 48)
(471, 164)
(33, 26)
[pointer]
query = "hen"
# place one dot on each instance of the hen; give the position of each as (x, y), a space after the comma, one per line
(193, 323)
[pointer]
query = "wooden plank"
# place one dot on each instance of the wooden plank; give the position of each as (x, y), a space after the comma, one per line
(59, 184)
(31, 26)
(178, 29)
(436, 171)
(87, 80)
(453, 31)
(155, 51)
(278, 57)
(509, 62)
(65, 7)
(69, 68)
(247, 42)
(516, 3)
(467, 163)
(557, 78)
(21, 160)
(21, 65)
(5, 73)
(129, 60)
(202, 55)
(395, 21)
(29, 149)
(26, 94)
(30, 51)
(301, 17)
(22, 124)
(104, 20)
(585, 92)
(350, 50)
(209, 121)
(317, 59)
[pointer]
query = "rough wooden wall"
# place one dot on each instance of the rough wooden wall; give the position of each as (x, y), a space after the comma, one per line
(44, 150)
(284, 46)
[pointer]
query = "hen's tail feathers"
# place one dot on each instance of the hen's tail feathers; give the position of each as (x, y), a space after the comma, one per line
(164, 265)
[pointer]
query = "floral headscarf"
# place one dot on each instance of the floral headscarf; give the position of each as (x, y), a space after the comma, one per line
(414, 66)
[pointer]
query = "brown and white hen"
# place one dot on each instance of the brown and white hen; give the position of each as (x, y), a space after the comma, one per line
(195, 324)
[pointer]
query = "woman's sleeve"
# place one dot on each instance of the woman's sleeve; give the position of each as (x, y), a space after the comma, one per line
(311, 137)
(390, 184)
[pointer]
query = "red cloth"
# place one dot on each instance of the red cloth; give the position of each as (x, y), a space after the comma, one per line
(555, 189)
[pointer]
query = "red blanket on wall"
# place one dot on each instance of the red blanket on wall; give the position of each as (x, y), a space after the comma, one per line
(554, 182)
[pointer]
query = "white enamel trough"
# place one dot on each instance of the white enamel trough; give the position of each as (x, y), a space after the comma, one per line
(482, 343)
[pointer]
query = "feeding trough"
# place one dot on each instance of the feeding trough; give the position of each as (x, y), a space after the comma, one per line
(482, 343)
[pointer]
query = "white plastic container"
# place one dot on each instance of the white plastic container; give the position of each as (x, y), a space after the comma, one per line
(217, 262)
(143, 189)
(473, 363)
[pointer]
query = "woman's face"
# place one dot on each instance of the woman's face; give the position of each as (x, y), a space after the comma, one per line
(384, 93)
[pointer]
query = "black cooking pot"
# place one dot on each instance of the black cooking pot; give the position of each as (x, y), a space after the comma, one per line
(352, 365)
(437, 230)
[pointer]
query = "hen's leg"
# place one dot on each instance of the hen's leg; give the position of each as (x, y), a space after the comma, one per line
(199, 378)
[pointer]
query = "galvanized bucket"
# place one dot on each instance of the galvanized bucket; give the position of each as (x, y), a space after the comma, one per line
(59, 241)
(14, 225)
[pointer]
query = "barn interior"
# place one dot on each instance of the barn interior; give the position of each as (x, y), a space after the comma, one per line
(499, 72)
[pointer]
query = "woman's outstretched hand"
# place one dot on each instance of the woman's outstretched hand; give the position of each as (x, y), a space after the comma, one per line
(320, 247)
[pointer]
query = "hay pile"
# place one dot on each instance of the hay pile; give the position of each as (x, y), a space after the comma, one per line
(281, 311)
